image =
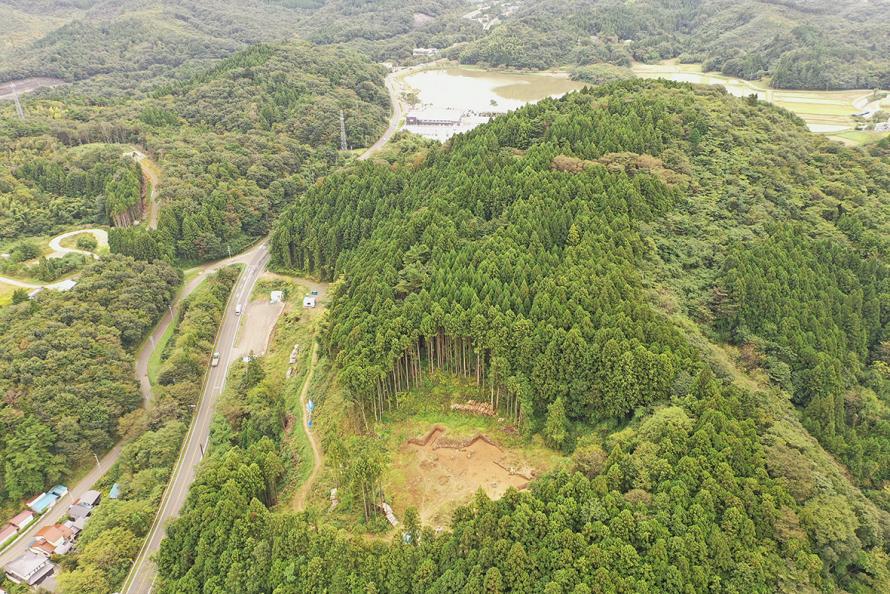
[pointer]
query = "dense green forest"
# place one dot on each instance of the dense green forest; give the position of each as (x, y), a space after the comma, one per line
(114, 535)
(236, 143)
(46, 186)
(66, 370)
(809, 45)
(581, 260)
(117, 47)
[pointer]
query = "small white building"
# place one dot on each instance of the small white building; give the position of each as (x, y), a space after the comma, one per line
(309, 301)
(276, 296)
(425, 51)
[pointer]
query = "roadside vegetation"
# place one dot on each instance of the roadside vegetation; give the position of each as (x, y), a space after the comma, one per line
(118, 527)
(589, 268)
(66, 362)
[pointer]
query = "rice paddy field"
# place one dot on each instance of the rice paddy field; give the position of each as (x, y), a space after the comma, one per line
(826, 112)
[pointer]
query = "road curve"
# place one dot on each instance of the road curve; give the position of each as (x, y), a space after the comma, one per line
(143, 354)
(59, 251)
(395, 120)
(144, 571)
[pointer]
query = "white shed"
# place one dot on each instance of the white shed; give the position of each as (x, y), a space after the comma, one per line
(276, 296)
(309, 301)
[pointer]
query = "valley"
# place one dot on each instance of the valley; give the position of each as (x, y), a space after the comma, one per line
(444, 296)
(827, 112)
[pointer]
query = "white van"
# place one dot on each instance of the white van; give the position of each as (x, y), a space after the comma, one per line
(238, 310)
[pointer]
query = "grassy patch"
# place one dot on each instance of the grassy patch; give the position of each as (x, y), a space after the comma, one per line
(157, 355)
(859, 137)
(270, 281)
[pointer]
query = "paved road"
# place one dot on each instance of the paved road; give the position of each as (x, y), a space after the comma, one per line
(59, 512)
(143, 573)
(398, 109)
(59, 251)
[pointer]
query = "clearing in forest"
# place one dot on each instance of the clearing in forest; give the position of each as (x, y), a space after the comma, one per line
(437, 472)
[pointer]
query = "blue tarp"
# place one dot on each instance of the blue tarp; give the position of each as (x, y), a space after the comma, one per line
(44, 502)
(115, 491)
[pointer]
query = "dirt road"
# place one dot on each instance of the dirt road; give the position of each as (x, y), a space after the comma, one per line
(149, 171)
(303, 492)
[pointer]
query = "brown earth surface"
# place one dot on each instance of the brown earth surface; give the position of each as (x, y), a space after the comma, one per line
(441, 473)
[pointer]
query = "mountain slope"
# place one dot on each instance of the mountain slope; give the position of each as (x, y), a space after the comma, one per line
(580, 263)
(802, 44)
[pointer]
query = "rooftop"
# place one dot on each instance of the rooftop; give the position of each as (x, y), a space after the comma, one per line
(30, 568)
(90, 498)
(22, 519)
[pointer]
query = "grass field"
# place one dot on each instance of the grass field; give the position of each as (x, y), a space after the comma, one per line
(154, 362)
(6, 292)
(859, 137)
(828, 112)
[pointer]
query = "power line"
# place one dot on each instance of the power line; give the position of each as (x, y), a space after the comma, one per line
(18, 105)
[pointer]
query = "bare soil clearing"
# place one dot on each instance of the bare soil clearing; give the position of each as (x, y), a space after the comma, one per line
(440, 472)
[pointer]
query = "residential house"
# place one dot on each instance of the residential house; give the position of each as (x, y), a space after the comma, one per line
(90, 498)
(43, 502)
(22, 520)
(29, 569)
(79, 511)
(7, 533)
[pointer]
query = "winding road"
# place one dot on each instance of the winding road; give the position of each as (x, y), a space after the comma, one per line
(59, 251)
(144, 572)
(395, 120)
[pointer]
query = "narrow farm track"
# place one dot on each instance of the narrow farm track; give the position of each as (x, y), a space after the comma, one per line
(299, 501)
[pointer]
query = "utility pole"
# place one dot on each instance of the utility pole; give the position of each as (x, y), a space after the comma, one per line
(21, 112)
(343, 145)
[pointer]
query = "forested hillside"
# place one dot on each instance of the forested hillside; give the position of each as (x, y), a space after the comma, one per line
(810, 45)
(130, 42)
(236, 142)
(45, 186)
(123, 46)
(583, 262)
(66, 370)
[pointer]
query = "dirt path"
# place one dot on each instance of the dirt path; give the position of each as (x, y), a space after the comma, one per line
(301, 495)
(149, 171)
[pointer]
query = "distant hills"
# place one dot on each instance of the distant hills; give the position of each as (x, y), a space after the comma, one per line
(812, 44)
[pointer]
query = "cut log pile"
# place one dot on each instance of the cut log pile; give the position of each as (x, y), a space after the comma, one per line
(474, 407)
